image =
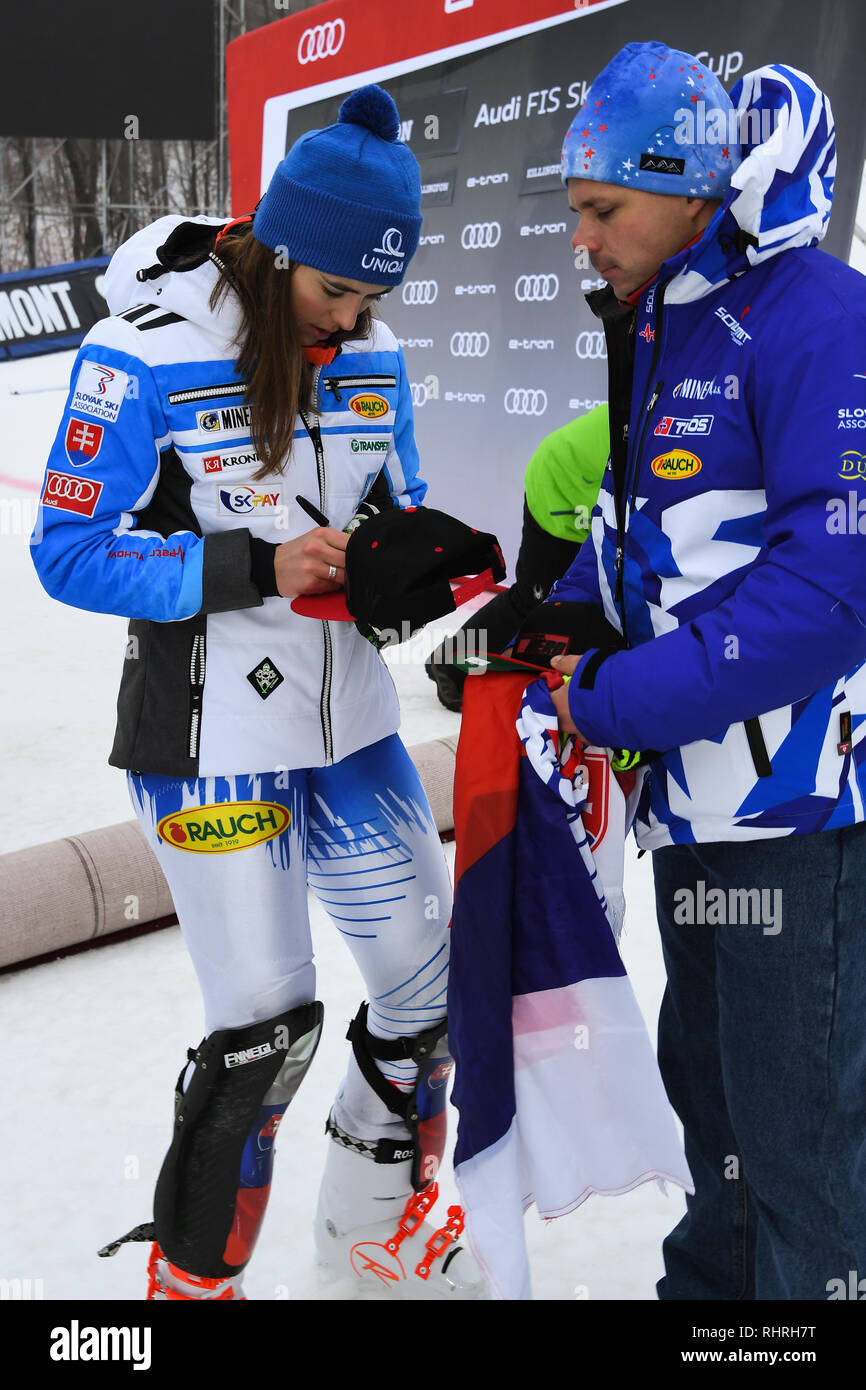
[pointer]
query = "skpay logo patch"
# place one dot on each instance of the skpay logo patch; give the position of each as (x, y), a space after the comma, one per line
(369, 405)
(245, 500)
(82, 442)
(676, 465)
(99, 391)
(223, 828)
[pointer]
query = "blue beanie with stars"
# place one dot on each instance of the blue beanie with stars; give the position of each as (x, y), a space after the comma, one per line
(658, 120)
(347, 199)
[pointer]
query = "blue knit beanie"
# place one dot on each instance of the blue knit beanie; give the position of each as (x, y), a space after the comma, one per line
(658, 120)
(347, 199)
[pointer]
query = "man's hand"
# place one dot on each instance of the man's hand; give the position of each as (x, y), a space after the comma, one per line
(565, 665)
(303, 566)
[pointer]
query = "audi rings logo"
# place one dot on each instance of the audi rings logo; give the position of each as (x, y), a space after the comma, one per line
(419, 393)
(420, 292)
(323, 41)
(532, 287)
(71, 494)
(480, 236)
(590, 344)
(522, 401)
(470, 344)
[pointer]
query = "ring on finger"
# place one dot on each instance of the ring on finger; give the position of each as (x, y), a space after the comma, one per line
(332, 571)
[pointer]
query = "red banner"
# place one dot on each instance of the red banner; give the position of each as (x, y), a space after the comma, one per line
(323, 46)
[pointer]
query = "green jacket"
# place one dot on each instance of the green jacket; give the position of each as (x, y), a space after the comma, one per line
(564, 475)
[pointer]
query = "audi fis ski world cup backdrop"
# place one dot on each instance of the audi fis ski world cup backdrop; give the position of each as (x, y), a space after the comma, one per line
(500, 344)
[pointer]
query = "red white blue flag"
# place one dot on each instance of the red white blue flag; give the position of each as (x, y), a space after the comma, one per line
(556, 1081)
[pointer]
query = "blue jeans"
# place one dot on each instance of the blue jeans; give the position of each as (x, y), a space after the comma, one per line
(762, 1047)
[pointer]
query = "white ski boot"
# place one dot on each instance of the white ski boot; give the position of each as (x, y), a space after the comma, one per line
(370, 1228)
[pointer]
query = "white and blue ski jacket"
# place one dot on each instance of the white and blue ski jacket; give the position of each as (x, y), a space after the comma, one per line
(728, 544)
(151, 510)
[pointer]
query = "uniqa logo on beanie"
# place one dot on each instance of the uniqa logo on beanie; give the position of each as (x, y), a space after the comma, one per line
(347, 199)
(388, 258)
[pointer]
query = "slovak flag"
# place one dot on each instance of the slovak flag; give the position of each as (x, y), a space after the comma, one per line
(556, 1081)
(83, 441)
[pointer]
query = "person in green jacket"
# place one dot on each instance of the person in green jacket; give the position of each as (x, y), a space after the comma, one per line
(560, 489)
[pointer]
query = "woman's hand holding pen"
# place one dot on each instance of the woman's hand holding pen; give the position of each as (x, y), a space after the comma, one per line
(314, 563)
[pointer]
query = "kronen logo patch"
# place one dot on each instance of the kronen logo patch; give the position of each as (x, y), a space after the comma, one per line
(227, 826)
(676, 464)
(369, 405)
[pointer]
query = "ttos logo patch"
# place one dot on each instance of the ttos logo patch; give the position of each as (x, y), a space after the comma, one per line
(678, 425)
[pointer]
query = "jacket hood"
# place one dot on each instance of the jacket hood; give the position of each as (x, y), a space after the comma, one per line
(186, 292)
(780, 195)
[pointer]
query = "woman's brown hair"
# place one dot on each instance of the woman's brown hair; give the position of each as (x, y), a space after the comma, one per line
(270, 354)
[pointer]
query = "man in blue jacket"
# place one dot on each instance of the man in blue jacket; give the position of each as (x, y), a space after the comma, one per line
(728, 551)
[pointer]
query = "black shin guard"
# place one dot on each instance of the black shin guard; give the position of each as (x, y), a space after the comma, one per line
(214, 1183)
(423, 1108)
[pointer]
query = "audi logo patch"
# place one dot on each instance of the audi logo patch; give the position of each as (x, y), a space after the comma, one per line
(590, 344)
(419, 393)
(480, 236)
(470, 344)
(322, 41)
(420, 292)
(520, 400)
(533, 287)
(70, 494)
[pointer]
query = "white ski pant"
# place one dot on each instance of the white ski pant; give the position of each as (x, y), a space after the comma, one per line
(239, 854)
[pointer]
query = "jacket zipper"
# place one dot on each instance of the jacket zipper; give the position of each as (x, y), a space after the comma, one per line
(314, 431)
(333, 383)
(647, 409)
(208, 393)
(623, 511)
(758, 747)
(650, 407)
(196, 682)
(621, 362)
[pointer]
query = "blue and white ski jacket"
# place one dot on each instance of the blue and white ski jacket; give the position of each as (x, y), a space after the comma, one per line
(149, 507)
(730, 551)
